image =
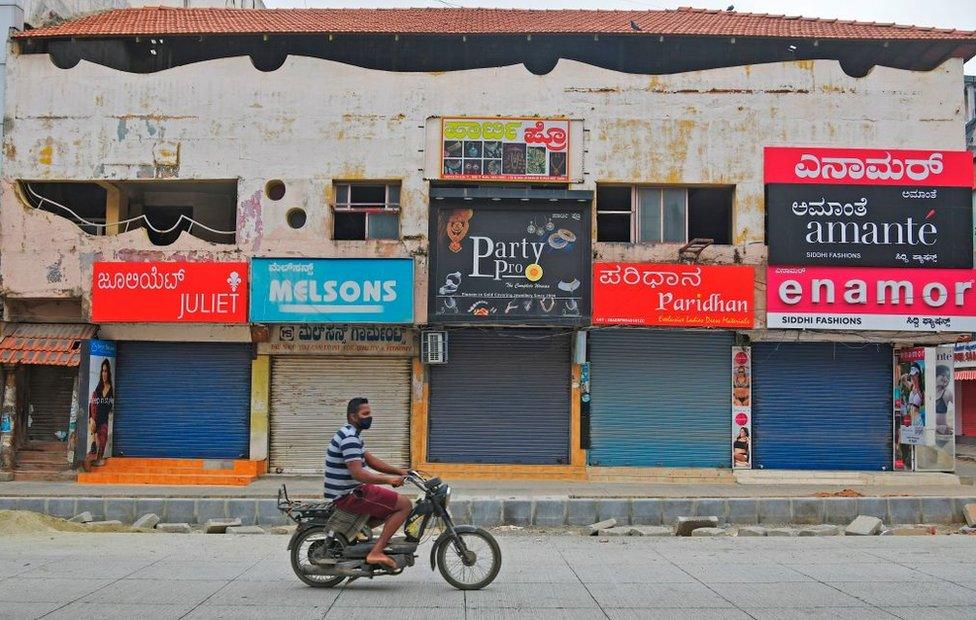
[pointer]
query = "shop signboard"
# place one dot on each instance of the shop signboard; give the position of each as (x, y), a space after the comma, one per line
(671, 295)
(505, 149)
(510, 265)
(965, 355)
(924, 406)
(332, 290)
(869, 207)
(865, 298)
(163, 292)
(97, 398)
(318, 339)
(742, 407)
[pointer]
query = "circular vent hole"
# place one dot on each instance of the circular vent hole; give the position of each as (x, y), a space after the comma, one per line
(275, 190)
(296, 217)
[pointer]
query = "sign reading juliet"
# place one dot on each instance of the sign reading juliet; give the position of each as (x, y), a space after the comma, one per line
(869, 208)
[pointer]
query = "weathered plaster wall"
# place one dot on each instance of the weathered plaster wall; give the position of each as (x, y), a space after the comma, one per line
(314, 121)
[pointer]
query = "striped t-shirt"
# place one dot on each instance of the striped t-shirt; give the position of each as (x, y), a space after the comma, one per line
(345, 446)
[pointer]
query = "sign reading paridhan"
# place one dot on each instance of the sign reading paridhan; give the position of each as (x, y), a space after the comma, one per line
(332, 290)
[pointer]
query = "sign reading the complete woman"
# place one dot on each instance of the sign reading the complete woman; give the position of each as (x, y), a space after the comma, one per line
(159, 292)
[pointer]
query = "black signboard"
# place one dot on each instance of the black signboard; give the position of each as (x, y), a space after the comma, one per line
(869, 225)
(504, 264)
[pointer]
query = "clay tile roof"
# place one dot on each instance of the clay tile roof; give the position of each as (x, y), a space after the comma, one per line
(52, 344)
(455, 21)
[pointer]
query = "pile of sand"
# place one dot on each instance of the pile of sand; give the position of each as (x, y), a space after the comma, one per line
(22, 522)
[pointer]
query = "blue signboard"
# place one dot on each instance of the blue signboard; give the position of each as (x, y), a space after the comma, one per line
(332, 290)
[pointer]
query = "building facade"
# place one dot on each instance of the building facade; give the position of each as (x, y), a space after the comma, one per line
(265, 218)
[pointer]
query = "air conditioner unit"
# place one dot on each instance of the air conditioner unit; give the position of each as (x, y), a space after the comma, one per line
(433, 347)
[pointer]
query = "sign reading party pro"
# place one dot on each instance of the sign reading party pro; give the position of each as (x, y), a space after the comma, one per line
(332, 290)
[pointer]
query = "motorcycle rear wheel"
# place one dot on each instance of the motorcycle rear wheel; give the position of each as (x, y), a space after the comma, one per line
(477, 574)
(300, 562)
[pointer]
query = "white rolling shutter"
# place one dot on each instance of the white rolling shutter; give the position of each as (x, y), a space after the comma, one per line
(308, 405)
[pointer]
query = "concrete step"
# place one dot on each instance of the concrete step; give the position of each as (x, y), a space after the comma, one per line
(165, 479)
(844, 478)
(660, 475)
(44, 447)
(36, 475)
(43, 458)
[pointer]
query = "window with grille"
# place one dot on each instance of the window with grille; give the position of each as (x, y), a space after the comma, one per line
(366, 211)
(638, 214)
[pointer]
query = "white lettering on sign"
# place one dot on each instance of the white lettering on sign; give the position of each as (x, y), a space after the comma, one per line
(207, 303)
(498, 259)
(349, 291)
(887, 292)
(882, 168)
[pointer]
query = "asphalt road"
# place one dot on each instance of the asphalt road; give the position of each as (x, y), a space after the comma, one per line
(149, 576)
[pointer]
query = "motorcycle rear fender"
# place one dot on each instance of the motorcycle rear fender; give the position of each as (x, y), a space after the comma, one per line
(301, 529)
(445, 538)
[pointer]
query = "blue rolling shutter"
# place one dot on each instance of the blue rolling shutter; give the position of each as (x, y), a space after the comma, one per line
(182, 400)
(502, 397)
(821, 406)
(660, 398)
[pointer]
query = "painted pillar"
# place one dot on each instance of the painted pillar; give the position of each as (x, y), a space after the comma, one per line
(8, 419)
(260, 409)
(73, 424)
(419, 401)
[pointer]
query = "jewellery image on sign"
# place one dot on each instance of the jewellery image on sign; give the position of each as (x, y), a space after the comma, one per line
(481, 308)
(449, 306)
(547, 304)
(571, 308)
(458, 224)
(451, 284)
(569, 287)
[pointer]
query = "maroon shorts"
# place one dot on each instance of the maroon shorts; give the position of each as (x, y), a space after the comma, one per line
(369, 499)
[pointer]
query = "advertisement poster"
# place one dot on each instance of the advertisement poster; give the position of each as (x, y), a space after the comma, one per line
(671, 295)
(938, 450)
(742, 407)
(510, 265)
(158, 292)
(505, 149)
(98, 388)
(866, 298)
(332, 290)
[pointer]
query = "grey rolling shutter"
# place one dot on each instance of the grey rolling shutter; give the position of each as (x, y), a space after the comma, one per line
(50, 399)
(503, 397)
(822, 405)
(308, 405)
(660, 398)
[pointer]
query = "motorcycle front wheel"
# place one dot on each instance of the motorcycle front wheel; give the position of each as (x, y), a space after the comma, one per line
(305, 545)
(475, 569)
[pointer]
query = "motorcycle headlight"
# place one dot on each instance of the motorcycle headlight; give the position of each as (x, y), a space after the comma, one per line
(447, 495)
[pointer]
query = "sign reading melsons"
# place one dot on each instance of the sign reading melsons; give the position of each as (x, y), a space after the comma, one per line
(869, 208)
(332, 290)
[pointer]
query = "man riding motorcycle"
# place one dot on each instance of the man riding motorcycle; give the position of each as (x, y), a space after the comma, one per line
(353, 487)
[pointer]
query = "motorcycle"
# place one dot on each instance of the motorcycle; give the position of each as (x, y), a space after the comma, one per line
(330, 545)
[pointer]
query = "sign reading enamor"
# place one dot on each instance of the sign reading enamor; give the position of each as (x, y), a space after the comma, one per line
(332, 290)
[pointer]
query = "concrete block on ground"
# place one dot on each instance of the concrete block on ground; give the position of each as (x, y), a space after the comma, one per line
(743, 510)
(173, 528)
(864, 525)
(244, 509)
(109, 522)
(244, 529)
(710, 531)
(911, 530)
(711, 507)
(580, 511)
(94, 505)
(782, 531)
(820, 530)
(674, 508)
(839, 510)
(284, 530)
(873, 507)
(594, 528)
(219, 526)
(775, 511)
(154, 505)
(937, 510)
(618, 509)
(179, 510)
(120, 509)
(209, 509)
(549, 512)
(148, 521)
(969, 514)
(82, 517)
(646, 511)
(684, 526)
(486, 512)
(517, 512)
(904, 510)
(651, 530)
(966, 529)
(623, 530)
(61, 507)
(752, 530)
(807, 510)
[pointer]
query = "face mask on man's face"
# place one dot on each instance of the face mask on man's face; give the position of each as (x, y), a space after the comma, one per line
(365, 423)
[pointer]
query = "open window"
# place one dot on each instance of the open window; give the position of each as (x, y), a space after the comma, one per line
(638, 214)
(366, 211)
(205, 209)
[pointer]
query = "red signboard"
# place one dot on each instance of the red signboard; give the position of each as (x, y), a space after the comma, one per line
(823, 166)
(169, 293)
(673, 295)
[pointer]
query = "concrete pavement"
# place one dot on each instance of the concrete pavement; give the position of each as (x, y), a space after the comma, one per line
(150, 576)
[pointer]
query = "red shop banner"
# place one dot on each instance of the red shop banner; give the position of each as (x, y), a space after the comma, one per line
(670, 295)
(169, 292)
(829, 166)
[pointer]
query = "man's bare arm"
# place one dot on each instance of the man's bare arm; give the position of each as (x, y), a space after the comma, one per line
(380, 465)
(361, 474)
